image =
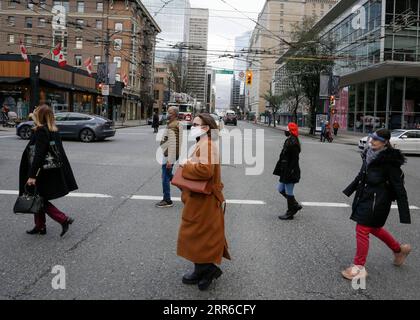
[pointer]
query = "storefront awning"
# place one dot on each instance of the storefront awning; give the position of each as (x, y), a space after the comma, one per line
(56, 84)
(12, 80)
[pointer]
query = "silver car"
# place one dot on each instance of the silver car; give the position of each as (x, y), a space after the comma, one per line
(408, 141)
(86, 128)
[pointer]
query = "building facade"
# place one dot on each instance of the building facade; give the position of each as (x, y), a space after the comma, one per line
(270, 39)
(164, 85)
(197, 54)
(122, 32)
(378, 65)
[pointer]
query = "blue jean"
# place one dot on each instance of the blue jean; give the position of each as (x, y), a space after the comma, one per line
(166, 182)
(288, 187)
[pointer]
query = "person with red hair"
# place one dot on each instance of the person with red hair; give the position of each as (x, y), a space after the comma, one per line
(288, 170)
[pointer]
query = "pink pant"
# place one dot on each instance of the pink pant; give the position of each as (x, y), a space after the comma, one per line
(362, 238)
(54, 214)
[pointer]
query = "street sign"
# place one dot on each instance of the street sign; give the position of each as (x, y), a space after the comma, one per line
(242, 75)
(105, 90)
(224, 71)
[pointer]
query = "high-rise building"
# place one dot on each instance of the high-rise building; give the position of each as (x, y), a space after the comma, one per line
(210, 90)
(275, 23)
(197, 54)
(173, 18)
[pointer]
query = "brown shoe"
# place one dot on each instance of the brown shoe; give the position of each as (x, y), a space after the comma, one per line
(354, 272)
(402, 255)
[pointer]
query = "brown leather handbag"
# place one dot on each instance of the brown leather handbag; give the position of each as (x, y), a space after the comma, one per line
(198, 186)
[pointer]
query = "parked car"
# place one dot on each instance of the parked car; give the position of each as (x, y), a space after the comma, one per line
(230, 117)
(81, 126)
(408, 141)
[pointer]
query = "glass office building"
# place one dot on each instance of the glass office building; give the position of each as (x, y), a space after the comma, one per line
(378, 60)
(172, 18)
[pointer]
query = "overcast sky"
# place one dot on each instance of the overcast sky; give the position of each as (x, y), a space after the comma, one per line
(226, 24)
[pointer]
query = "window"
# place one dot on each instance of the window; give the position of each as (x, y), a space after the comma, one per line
(411, 135)
(97, 41)
(78, 117)
(11, 4)
(28, 22)
(61, 117)
(118, 26)
(99, 24)
(41, 40)
(11, 38)
(79, 24)
(156, 94)
(80, 7)
(99, 6)
(11, 21)
(96, 60)
(79, 43)
(29, 4)
(65, 4)
(77, 60)
(117, 44)
(117, 77)
(28, 40)
(281, 13)
(42, 22)
(42, 4)
(117, 60)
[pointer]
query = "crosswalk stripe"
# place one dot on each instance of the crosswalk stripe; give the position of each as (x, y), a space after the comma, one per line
(325, 204)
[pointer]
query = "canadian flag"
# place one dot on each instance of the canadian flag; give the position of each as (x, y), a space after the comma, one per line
(62, 61)
(57, 50)
(88, 65)
(125, 80)
(23, 52)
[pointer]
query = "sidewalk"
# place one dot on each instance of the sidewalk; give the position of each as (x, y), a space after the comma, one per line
(130, 123)
(343, 137)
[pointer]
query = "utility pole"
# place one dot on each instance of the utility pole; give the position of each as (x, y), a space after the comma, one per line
(107, 44)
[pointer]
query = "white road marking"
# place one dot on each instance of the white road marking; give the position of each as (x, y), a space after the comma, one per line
(177, 199)
(325, 204)
(6, 136)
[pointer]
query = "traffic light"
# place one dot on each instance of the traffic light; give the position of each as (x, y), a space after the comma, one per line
(332, 101)
(249, 77)
(333, 111)
(99, 87)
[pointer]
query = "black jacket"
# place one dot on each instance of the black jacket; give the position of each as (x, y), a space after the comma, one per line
(155, 121)
(53, 183)
(287, 167)
(376, 186)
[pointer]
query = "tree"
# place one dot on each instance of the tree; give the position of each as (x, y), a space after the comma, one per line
(274, 101)
(178, 71)
(293, 96)
(312, 56)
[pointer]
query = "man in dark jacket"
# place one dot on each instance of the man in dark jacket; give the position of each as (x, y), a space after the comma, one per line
(288, 170)
(379, 182)
(155, 122)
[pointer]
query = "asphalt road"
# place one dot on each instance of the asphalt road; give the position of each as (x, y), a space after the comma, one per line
(122, 248)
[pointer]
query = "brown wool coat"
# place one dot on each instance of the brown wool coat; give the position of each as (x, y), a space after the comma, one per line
(201, 237)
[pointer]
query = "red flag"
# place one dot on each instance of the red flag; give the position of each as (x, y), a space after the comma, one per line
(88, 65)
(57, 49)
(61, 60)
(23, 52)
(125, 80)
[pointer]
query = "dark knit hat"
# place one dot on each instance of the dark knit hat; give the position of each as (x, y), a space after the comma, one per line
(381, 135)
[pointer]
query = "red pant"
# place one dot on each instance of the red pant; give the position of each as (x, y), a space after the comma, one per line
(54, 214)
(362, 238)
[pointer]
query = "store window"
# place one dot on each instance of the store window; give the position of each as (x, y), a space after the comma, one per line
(56, 98)
(352, 107)
(82, 103)
(412, 104)
(360, 107)
(370, 122)
(381, 102)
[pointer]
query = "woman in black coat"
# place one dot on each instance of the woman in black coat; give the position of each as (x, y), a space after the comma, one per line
(288, 170)
(379, 182)
(53, 183)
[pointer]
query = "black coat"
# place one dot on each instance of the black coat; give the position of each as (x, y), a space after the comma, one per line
(376, 186)
(287, 167)
(155, 121)
(53, 183)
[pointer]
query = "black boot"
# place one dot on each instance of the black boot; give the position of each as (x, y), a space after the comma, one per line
(66, 225)
(213, 272)
(192, 277)
(37, 231)
(292, 208)
(295, 205)
(283, 193)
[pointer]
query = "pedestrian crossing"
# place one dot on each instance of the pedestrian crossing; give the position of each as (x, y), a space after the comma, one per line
(178, 199)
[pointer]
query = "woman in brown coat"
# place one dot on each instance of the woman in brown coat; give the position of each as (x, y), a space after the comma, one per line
(201, 236)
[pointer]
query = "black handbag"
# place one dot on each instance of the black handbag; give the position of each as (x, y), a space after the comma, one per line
(53, 157)
(29, 202)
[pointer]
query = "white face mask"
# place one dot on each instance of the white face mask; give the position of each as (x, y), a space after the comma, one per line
(196, 132)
